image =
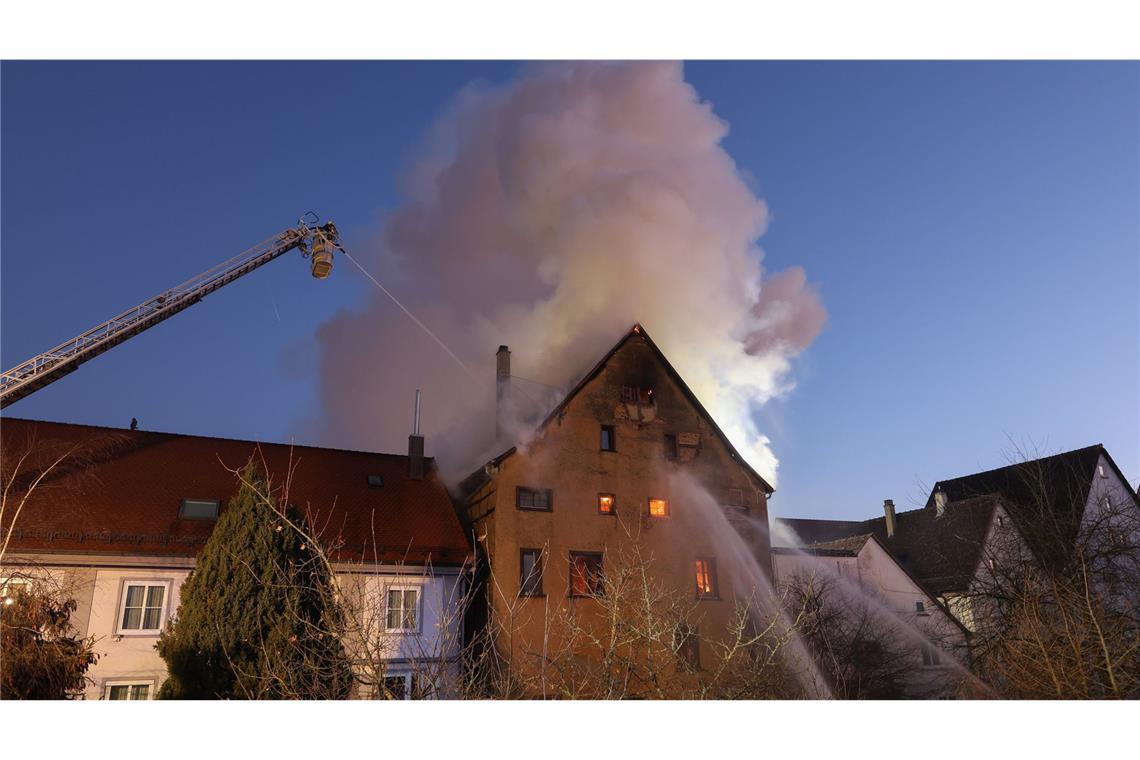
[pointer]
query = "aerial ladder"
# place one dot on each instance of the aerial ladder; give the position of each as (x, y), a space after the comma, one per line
(316, 243)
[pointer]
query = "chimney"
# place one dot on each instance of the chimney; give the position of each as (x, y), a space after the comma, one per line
(416, 445)
(889, 513)
(502, 388)
(939, 502)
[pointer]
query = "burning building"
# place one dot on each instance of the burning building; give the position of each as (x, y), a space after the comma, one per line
(611, 495)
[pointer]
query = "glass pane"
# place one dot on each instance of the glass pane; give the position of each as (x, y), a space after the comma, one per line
(409, 609)
(606, 504)
(151, 619)
(395, 608)
(132, 618)
(119, 692)
(658, 507)
(594, 578)
(526, 498)
(578, 576)
(135, 596)
(154, 596)
(541, 499)
(140, 692)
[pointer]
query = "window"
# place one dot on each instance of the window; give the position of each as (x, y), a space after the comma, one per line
(530, 572)
(607, 504)
(375, 481)
(706, 578)
(407, 686)
(127, 691)
(670, 446)
(608, 441)
(402, 610)
(541, 499)
(199, 509)
(396, 687)
(736, 497)
(658, 508)
(920, 608)
(631, 394)
(930, 656)
(142, 607)
(586, 574)
(1000, 521)
(687, 646)
(11, 587)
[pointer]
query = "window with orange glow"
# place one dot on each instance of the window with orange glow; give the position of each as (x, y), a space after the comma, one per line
(658, 508)
(706, 578)
(607, 504)
(586, 574)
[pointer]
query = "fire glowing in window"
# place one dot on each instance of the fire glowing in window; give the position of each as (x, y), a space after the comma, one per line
(586, 574)
(706, 578)
(606, 503)
(658, 508)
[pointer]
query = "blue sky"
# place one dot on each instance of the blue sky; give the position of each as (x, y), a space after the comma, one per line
(974, 229)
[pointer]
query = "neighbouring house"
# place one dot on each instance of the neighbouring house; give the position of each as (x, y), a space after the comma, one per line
(629, 456)
(865, 581)
(118, 517)
(1008, 520)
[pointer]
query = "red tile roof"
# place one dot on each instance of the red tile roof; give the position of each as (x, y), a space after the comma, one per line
(120, 492)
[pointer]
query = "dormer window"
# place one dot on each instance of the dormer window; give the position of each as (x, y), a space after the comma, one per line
(199, 509)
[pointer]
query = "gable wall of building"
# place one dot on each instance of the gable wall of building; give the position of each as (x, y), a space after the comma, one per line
(567, 459)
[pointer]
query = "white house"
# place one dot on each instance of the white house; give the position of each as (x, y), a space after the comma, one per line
(119, 515)
(860, 569)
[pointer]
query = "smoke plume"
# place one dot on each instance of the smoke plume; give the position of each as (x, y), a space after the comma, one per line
(551, 214)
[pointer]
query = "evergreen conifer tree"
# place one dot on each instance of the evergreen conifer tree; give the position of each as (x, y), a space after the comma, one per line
(258, 617)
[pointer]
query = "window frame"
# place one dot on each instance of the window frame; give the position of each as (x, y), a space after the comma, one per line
(121, 607)
(649, 508)
(217, 509)
(714, 582)
(611, 430)
(600, 576)
(403, 588)
(549, 499)
(130, 684)
(613, 505)
(413, 688)
(540, 563)
(920, 608)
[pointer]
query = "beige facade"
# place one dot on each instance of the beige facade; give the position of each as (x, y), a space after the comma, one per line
(429, 648)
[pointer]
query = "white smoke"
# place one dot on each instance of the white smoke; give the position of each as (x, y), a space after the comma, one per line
(551, 214)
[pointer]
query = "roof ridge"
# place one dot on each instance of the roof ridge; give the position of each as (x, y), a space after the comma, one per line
(1058, 455)
(204, 437)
